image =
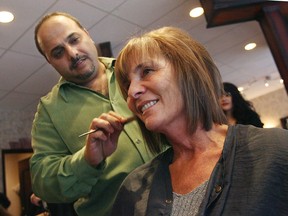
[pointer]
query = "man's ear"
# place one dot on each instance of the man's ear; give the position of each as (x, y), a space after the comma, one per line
(85, 30)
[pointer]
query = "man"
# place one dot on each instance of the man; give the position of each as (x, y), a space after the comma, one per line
(66, 167)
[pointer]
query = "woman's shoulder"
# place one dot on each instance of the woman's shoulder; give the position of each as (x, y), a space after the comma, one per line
(273, 133)
(269, 138)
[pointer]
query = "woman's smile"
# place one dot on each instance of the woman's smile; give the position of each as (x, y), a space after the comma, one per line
(148, 105)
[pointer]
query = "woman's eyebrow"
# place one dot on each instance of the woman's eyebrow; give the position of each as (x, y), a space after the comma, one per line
(139, 66)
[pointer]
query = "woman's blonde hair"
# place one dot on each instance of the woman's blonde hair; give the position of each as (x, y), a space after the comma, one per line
(198, 77)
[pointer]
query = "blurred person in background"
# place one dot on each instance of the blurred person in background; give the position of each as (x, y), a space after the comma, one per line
(237, 109)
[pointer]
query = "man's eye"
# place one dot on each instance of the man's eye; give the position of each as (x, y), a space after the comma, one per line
(74, 40)
(57, 53)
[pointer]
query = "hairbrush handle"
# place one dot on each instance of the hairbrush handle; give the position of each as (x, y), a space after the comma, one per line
(126, 121)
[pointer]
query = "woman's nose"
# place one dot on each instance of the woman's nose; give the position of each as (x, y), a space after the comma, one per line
(135, 89)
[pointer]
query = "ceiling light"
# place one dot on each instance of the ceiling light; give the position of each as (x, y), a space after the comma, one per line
(267, 78)
(250, 46)
(6, 16)
(240, 89)
(196, 12)
(281, 81)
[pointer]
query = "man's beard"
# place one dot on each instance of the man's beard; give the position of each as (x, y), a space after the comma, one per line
(87, 74)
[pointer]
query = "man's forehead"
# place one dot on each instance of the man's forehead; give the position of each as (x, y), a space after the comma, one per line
(57, 26)
(59, 20)
(55, 31)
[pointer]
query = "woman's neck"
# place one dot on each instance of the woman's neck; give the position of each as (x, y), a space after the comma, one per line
(200, 141)
(230, 118)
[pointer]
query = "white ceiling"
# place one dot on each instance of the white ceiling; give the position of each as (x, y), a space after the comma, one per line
(25, 76)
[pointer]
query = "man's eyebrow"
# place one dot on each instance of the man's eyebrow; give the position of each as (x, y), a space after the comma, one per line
(70, 36)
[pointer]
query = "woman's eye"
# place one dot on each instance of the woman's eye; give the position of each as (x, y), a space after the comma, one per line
(147, 71)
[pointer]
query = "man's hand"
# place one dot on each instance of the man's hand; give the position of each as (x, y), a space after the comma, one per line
(103, 142)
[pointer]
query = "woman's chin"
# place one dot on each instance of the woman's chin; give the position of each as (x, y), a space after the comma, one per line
(151, 126)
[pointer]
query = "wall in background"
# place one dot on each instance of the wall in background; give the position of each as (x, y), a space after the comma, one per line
(272, 107)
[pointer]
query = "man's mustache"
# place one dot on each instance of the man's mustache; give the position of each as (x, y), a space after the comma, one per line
(74, 61)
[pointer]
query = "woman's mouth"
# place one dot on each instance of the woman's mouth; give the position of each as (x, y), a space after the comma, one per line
(148, 105)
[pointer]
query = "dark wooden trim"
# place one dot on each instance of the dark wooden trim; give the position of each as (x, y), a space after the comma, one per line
(271, 15)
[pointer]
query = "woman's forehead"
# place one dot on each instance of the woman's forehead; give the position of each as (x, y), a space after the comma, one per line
(144, 59)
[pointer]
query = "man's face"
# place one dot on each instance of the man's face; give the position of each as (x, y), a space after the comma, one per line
(69, 49)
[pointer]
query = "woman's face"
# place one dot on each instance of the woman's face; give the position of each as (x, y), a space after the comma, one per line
(153, 94)
(226, 102)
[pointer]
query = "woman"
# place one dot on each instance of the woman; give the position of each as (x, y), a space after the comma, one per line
(173, 87)
(237, 109)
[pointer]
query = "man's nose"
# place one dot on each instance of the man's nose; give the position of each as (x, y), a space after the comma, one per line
(72, 52)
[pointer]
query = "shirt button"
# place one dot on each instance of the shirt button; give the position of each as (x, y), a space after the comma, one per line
(138, 141)
(218, 188)
(168, 201)
(113, 101)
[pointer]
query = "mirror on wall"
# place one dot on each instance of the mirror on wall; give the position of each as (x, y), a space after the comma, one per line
(15, 168)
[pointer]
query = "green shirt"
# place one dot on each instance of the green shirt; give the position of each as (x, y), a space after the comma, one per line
(58, 168)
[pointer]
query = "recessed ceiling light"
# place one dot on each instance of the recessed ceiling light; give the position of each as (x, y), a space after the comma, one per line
(6, 16)
(250, 46)
(266, 82)
(196, 12)
(240, 89)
